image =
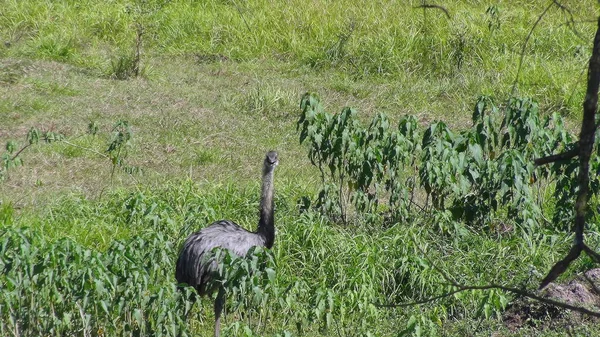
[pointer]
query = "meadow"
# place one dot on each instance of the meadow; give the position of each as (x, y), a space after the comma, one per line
(142, 121)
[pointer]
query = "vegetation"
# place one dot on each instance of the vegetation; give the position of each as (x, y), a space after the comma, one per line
(153, 115)
(475, 51)
(328, 279)
(478, 175)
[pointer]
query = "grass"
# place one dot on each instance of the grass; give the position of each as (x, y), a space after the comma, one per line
(387, 40)
(350, 266)
(221, 85)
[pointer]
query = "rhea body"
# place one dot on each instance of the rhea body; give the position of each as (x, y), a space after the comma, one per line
(193, 266)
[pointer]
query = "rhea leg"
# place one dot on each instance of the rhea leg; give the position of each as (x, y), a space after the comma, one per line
(219, 305)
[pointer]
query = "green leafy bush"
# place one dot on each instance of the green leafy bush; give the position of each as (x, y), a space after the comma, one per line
(478, 174)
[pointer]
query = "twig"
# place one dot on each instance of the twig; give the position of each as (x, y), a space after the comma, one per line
(571, 20)
(438, 269)
(84, 148)
(525, 46)
(592, 254)
(21, 150)
(461, 288)
(575, 86)
(412, 202)
(436, 7)
(138, 49)
(242, 15)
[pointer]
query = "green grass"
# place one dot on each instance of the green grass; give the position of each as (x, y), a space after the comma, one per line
(388, 40)
(348, 268)
(221, 85)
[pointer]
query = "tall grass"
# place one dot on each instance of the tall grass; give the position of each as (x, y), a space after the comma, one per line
(376, 38)
(73, 264)
(328, 281)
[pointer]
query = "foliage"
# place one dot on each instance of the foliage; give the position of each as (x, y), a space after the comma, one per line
(116, 152)
(58, 286)
(124, 67)
(478, 174)
(118, 148)
(101, 294)
(11, 158)
(318, 279)
(329, 279)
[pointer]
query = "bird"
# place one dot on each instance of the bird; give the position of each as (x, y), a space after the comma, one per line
(195, 269)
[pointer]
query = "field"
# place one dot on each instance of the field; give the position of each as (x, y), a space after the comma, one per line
(127, 125)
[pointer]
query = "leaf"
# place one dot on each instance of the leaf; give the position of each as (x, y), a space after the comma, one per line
(104, 306)
(33, 136)
(270, 274)
(477, 153)
(137, 315)
(11, 146)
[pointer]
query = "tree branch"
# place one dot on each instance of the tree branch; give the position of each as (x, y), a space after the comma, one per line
(460, 288)
(586, 145)
(561, 266)
(571, 20)
(557, 157)
(592, 254)
(503, 288)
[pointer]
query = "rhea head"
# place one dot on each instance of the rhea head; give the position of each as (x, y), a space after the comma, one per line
(271, 160)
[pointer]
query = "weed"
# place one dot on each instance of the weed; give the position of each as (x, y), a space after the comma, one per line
(124, 67)
(267, 100)
(56, 48)
(72, 263)
(204, 157)
(493, 18)
(117, 150)
(479, 171)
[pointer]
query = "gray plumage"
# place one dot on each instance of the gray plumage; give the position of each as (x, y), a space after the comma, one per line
(194, 269)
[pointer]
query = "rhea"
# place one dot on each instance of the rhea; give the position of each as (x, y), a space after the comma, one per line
(193, 267)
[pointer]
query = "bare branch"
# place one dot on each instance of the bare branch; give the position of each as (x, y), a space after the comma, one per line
(576, 250)
(237, 7)
(461, 288)
(561, 266)
(21, 150)
(558, 157)
(427, 300)
(571, 20)
(525, 46)
(586, 145)
(515, 291)
(436, 7)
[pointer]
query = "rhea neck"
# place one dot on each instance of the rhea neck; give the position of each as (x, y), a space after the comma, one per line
(266, 222)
